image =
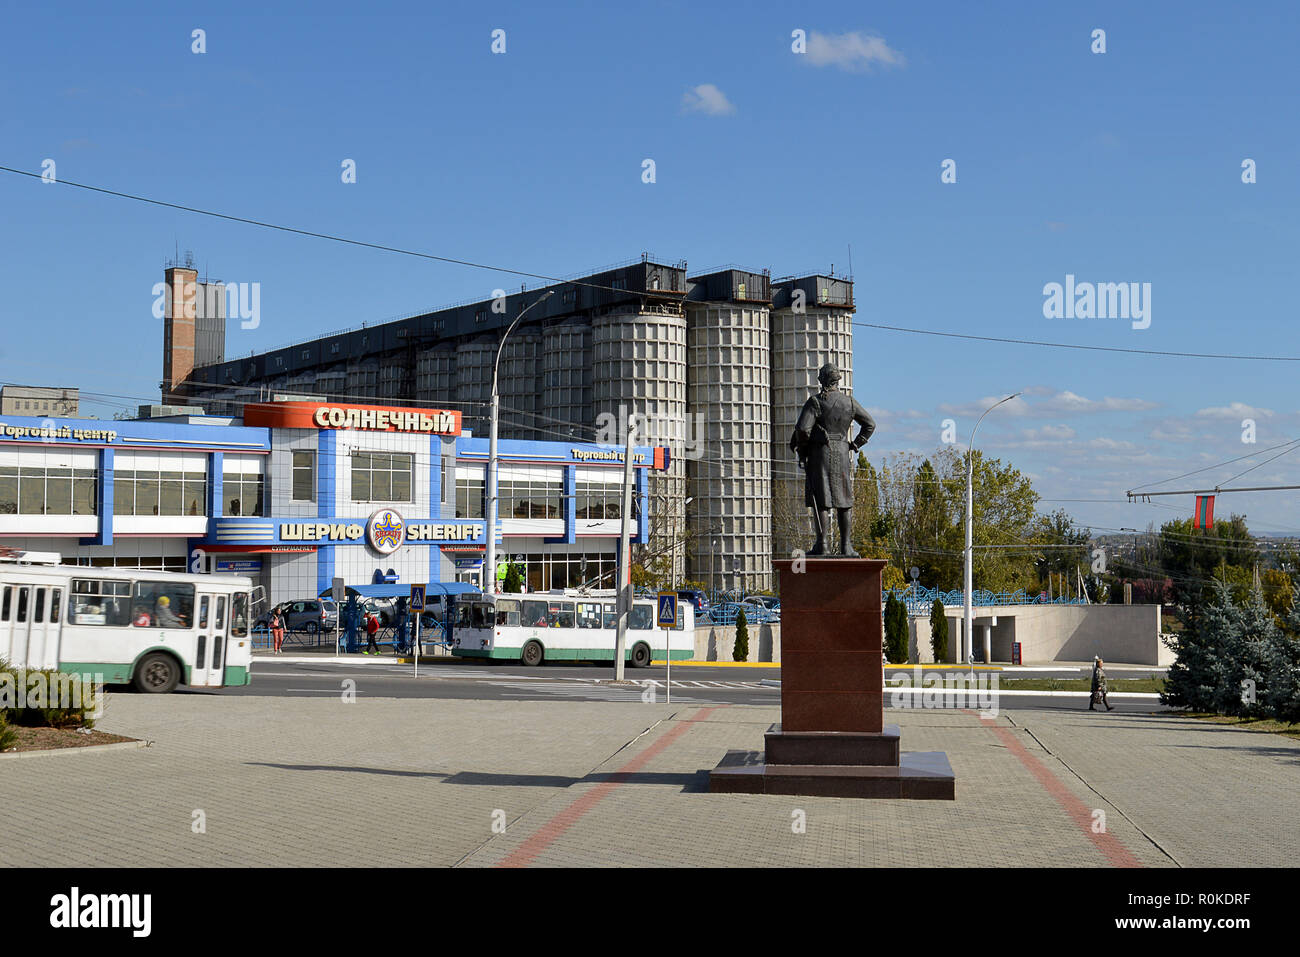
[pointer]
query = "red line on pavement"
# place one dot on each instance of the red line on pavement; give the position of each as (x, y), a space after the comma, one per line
(548, 833)
(1116, 854)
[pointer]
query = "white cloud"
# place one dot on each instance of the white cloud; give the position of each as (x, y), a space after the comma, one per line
(707, 98)
(1053, 405)
(854, 51)
(1238, 410)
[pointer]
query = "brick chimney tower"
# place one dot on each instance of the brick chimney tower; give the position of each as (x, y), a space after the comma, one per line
(178, 332)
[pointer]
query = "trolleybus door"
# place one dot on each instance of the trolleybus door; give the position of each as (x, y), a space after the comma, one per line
(29, 625)
(210, 641)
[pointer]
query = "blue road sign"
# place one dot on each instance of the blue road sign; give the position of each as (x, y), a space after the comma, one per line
(417, 598)
(667, 617)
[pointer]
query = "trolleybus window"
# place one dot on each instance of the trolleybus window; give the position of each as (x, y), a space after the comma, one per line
(507, 613)
(610, 616)
(238, 615)
(55, 595)
(96, 602)
(535, 614)
(642, 617)
(588, 615)
(162, 605)
(560, 614)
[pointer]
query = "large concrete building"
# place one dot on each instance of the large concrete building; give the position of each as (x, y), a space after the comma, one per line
(716, 366)
(39, 400)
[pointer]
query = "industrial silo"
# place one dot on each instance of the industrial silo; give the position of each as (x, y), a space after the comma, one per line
(639, 368)
(474, 383)
(519, 384)
(566, 381)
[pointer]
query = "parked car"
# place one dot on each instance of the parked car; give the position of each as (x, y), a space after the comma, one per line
(768, 607)
(698, 600)
(311, 615)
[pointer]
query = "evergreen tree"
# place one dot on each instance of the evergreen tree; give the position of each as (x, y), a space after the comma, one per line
(1244, 683)
(896, 630)
(740, 650)
(1281, 661)
(939, 631)
(514, 581)
(1193, 679)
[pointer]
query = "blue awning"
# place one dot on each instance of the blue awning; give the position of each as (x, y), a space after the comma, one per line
(432, 590)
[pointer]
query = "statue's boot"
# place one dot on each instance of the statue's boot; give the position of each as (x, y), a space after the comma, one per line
(846, 537)
(819, 546)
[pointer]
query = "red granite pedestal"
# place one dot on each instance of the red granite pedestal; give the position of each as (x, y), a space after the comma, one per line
(832, 739)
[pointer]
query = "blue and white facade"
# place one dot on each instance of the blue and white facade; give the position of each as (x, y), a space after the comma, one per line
(292, 506)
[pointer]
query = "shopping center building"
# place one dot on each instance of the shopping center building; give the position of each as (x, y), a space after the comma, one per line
(294, 493)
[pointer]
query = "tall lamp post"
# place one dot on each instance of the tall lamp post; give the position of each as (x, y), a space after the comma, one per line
(967, 640)
(490, 553)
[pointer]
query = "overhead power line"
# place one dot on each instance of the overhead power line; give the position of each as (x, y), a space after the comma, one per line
(648, 293)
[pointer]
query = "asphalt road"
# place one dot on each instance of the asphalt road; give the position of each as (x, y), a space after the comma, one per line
(696, 684)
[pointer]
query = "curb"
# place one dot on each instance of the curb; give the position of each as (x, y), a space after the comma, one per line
(718, 664)
(90, 748)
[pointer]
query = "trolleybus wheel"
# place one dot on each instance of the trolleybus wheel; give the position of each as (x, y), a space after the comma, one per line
(157, 673)
(640, 655)
(532, 654)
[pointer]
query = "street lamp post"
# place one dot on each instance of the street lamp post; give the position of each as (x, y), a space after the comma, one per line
(967, 643)
(490, 553)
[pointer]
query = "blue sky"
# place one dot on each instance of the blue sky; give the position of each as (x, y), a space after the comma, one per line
(1123, 166)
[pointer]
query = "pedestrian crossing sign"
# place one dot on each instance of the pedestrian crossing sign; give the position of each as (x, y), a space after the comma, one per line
(417, 598)
(667, 617)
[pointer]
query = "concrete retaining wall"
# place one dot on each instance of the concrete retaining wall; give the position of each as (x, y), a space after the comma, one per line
(1123, 634)
(715, 642)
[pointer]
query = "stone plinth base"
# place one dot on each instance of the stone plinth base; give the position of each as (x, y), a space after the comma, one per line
(920, 775)
(835, 764)
(832, 740)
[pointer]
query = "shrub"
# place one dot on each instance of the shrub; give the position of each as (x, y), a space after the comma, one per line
(46, 699)
(939, 631)
(740, 650)
(8, 737)
(896, 630)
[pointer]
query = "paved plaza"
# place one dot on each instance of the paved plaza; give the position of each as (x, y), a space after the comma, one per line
(462, 782)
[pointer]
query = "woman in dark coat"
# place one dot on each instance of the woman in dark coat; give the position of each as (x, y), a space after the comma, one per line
(1098, 686)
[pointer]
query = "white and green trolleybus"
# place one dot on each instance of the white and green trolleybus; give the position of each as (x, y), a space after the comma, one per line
(153, 629)
(566, 626)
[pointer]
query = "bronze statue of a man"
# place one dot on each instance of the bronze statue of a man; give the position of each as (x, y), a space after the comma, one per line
(821, 440)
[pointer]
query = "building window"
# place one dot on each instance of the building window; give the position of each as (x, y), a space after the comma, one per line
(531, 493)
(304, 476)
(241, 493)
(382, 476)
(469, 493)
(47, 490)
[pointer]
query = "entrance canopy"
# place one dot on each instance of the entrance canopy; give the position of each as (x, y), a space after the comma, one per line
(432, 590)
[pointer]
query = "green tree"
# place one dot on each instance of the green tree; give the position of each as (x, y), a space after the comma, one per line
(1277, 591)
(1192, 680)
(939, 631)
(514, 581)
(740, 650)
(896, 630)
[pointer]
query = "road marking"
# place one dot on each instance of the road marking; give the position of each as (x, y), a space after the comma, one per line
(555, 828)
(1116, 854)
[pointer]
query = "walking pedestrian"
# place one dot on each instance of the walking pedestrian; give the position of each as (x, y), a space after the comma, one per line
(1098, 686)
(372, 628)
(277, 630)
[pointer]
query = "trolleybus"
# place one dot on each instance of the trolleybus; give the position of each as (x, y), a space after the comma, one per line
(566, 626)
(153, 629)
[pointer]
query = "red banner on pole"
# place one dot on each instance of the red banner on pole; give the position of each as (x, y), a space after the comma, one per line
(1204, 517)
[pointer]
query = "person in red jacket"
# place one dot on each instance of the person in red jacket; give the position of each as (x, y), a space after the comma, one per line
(372, 628)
